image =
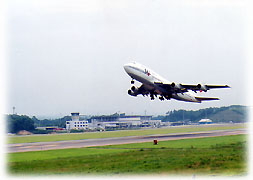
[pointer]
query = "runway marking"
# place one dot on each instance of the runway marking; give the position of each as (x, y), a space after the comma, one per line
(17, 145)
(27, 147)
(51, 145)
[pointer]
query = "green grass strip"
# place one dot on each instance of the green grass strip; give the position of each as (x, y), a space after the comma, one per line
(109, 134)
(212, 156)
(65, 153)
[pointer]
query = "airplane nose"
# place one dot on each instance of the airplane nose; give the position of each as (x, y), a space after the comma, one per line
(126, 67)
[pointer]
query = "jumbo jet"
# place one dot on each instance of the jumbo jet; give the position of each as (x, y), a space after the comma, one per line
(154, 85)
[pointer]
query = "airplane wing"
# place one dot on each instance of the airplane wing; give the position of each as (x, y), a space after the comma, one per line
(171, 88)
(200, 87)
(185, 87)
(206, 98)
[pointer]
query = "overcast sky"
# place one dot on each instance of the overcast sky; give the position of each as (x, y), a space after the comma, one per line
(67, 55)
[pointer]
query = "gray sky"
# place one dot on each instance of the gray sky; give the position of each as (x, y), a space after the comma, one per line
(67, 55)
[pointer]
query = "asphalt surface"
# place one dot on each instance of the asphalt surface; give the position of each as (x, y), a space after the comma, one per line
(42, 146)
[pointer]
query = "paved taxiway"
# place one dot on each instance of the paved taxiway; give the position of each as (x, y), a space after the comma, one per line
(41, 146)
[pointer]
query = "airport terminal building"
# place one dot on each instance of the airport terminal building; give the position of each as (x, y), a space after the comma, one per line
(122, 121)
(115, 121)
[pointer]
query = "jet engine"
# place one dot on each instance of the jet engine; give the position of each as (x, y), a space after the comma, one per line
(202, 87)
(177, 86)
(133, 91)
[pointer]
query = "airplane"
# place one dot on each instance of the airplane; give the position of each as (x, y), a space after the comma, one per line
(154, 85)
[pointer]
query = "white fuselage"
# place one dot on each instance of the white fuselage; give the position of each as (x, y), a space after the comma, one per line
(149, 78)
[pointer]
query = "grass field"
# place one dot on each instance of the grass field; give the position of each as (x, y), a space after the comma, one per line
(223, 155)
(93, 135)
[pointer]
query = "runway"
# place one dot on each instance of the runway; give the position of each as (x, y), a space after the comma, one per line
(42, 146)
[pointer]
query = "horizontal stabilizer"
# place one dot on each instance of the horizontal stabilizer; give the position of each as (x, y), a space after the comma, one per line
(206, 98)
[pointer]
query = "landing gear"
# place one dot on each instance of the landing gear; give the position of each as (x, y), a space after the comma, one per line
(152, 96)
(132, 82)
(161, 98)
(167, 97)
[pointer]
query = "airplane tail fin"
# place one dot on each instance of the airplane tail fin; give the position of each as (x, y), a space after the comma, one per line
(206, 98)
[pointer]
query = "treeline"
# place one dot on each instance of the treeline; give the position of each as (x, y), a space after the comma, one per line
(60, 122)
(234, 113)
(16, 123)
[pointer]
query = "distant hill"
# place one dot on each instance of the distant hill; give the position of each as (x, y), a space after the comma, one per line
(234, 113)
(227, 116)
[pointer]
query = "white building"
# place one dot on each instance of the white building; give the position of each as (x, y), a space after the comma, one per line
(131, 121)
(111, 122)
(75, 123)
(205, 121)
(122, 121)
(151, 123)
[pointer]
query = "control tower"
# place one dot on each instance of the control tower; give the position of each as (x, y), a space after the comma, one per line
(75, 116)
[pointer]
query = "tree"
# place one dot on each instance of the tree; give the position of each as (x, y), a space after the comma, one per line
(17, 123)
